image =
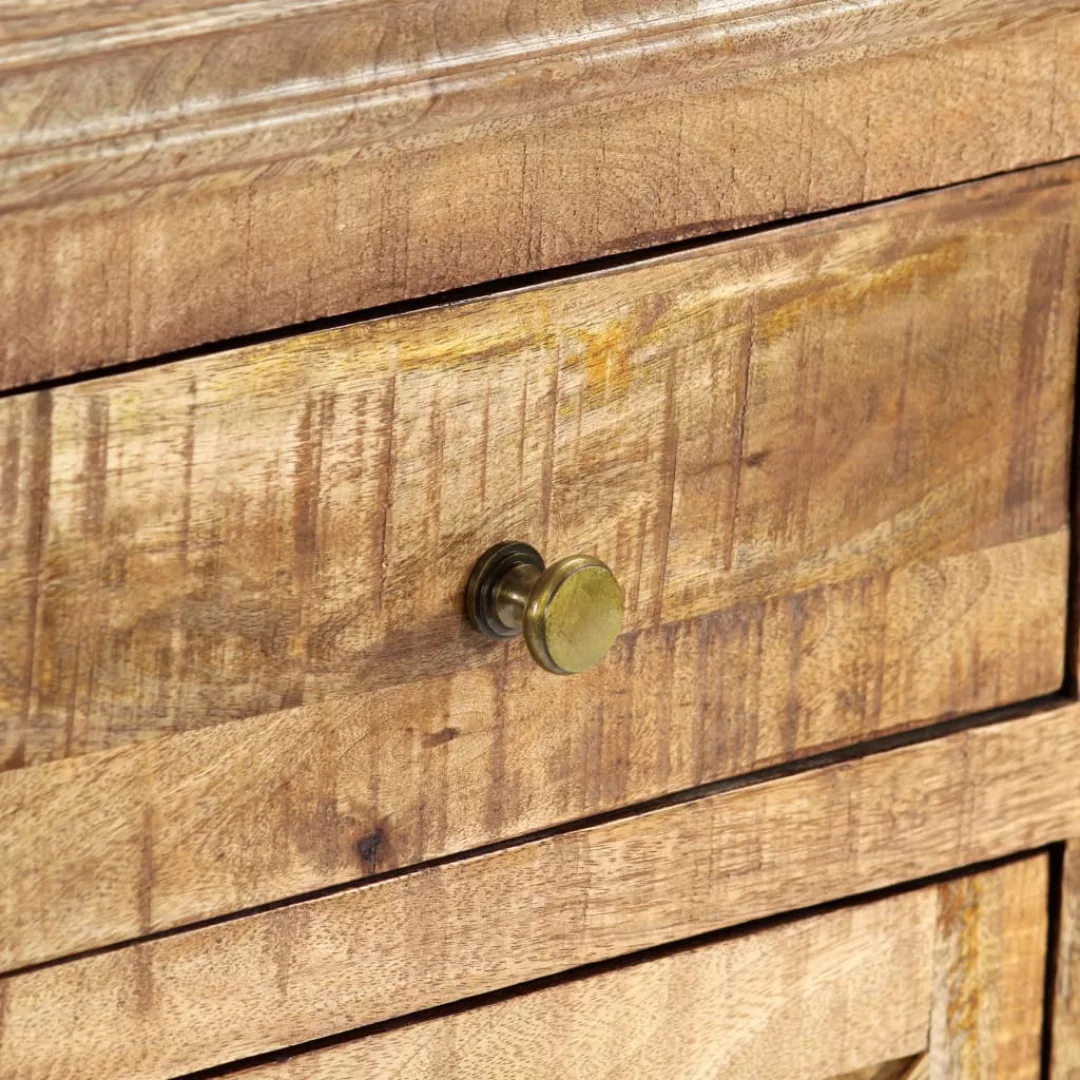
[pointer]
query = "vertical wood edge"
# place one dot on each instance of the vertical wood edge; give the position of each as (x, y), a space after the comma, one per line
(1065, 1028)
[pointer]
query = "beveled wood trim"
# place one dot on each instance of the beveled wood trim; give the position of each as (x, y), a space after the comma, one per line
(235, 174)
(990, 974)
(917, 1068)
(243, 86)
(472, 925)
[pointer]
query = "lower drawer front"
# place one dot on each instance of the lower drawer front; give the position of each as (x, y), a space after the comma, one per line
(365, 955)
(944, 982)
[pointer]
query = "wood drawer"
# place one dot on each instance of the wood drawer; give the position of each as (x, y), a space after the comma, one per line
(829, 464)
(945, 982)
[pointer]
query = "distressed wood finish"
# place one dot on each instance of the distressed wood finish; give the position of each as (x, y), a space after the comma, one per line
(1066, 1024)
(181, 173)
(784, 420)
(950, 976)
(990, 972)
(478, 924)
(811, 999)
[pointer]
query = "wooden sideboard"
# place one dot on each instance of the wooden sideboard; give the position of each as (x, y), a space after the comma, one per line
(770, 307)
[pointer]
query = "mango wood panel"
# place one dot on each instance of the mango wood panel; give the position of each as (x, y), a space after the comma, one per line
(112, 845)
(172, 179)
(1066, 1050)
(477, 924)
(727, 428)
(808, 1000)
(955, 971)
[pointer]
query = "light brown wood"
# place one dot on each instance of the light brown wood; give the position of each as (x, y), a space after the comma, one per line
(1066, 1021)
(478, 924)
(990, 972)
(811, 999)
(889, 552)
(179, 173)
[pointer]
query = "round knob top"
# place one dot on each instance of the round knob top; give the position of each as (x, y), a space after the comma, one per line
(570, 612)
(573, 615)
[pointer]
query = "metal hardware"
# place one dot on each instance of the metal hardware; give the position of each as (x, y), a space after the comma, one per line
(570, 612)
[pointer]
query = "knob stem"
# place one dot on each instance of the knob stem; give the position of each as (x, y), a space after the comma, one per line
(512, 593)
(499, 588)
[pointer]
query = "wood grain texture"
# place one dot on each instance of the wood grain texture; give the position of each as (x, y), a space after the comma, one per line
(450, 931)
(789, 415)
(990, 972)
(807, 1000)
(799, 1002)
(1066, 1027)
(182, 173)
(874, 549)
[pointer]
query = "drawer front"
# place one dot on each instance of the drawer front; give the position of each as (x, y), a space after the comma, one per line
(828, 464)
(945, 982)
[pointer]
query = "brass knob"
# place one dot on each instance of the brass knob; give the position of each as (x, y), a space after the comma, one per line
(570, 612)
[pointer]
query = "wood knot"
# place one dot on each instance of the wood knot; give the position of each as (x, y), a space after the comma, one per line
(369, 847)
